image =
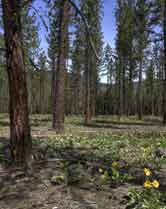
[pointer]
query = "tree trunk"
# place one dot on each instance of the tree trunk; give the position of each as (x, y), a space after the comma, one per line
(40, 92)
(124, 86)
(120, 108)
(77, 94)
(139, 107)
(58, 109)
(164, 73)
(53, 70)
(88, 115)
(130, 98)
(20, 137)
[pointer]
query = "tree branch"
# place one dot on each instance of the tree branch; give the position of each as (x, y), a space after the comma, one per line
(86, 26)
(34, 65)
(30, 60)
(81, 15)
(42, 19)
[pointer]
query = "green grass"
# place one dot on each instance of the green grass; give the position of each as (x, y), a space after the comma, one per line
(129, 140)
(131, 148)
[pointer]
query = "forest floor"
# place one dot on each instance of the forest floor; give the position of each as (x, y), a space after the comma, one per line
(100, 166)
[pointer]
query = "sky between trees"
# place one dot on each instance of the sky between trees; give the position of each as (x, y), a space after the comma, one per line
(108, 22)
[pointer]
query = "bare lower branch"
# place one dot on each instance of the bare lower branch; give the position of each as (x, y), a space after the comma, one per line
(42, 19)
(30, 60)
(34, 65)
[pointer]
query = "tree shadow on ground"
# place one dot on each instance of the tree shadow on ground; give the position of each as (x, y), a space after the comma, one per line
(105, 125)
(80, 165)
(4, 123)
(100, 126)
(132, 123)
(4, 140)
(91, 163)
(36, 122)
(153, 120)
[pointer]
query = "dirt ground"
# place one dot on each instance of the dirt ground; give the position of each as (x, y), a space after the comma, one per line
(39, 193)
(22, 190)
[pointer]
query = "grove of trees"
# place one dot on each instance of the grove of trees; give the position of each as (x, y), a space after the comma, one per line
(79, 74)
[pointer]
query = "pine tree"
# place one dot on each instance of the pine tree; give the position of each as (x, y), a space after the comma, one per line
(78, 59)
(108, 71)
(93, 13)
(43, 77)
(53, 41)
(20, 136)
(3, 78)
(59, 86)
(142, 26)
(124, 49)
(150, 88)
(164, 72)
(158, 19)
(31, 46)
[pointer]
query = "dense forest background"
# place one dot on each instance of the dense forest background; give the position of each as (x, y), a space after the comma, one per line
(79, 74)
(125, 80)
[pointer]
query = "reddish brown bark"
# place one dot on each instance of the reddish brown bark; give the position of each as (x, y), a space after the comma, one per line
(58, 103)
(164, 73)
(20, 137)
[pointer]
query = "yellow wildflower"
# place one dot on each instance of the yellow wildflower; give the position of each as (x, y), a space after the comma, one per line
(155, 184)
(147, 184)
(114, 164)
(100, 170)
(147, 172)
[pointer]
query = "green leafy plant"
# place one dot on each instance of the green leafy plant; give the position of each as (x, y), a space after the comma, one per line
(146, 199)
(104, 178)
(57, 179)
(149, 197)
(117, 176)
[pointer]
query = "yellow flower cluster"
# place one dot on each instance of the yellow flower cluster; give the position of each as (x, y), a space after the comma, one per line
(148, 183)
(147, 172)
(155, 184)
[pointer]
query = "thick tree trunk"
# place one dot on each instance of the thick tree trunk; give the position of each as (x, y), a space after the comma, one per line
(164, 73)
(20, 137)
(58, 109)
